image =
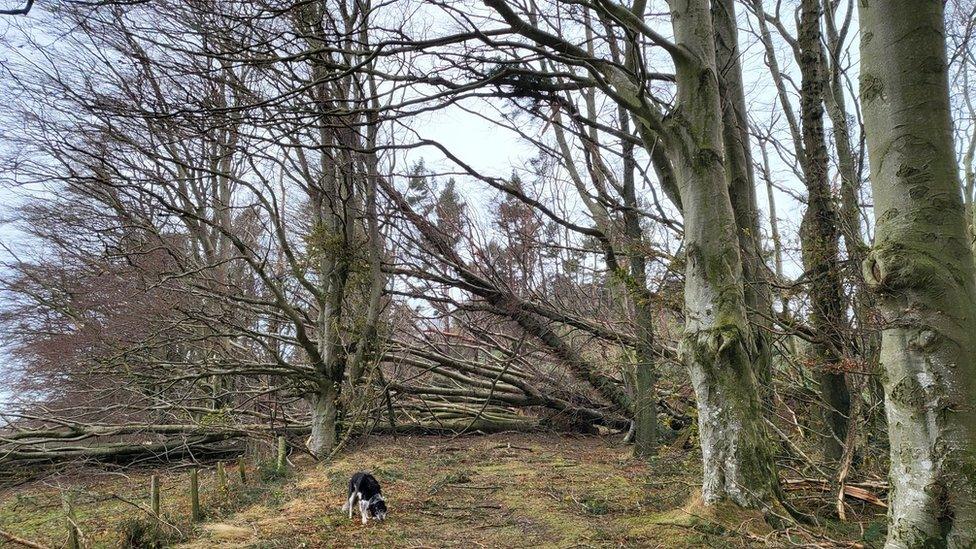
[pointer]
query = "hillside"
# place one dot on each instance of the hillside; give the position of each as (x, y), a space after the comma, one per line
(478, 491)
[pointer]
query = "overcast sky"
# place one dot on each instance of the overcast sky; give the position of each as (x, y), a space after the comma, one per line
(485, 146)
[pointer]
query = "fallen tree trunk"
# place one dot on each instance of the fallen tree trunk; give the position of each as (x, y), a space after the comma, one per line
(21, 541)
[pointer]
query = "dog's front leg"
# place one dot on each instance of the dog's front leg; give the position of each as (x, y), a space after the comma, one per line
(350, 503)
(363, 509)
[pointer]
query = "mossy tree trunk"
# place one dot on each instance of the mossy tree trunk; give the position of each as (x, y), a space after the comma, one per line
(718, 346)
(820, 239)
(742, 187)
(645, 396)
(922, 268)
(324, 407)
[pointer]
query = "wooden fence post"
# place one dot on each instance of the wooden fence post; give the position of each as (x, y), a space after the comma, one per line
(70, 521)
(221, 477)
(195, 514)
(282, 451)
(154, 494)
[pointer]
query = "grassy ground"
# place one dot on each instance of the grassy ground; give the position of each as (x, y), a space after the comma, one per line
(507, 491)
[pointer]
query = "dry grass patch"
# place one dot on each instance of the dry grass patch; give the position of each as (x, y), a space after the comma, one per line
(505, 490)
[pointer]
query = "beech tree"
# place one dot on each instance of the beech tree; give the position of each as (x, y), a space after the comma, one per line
(921, 266)
(243, 220)
(719, 345)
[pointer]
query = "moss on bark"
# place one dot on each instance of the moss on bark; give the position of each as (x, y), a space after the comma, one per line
(922, 269)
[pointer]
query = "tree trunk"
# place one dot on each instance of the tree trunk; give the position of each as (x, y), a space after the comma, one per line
(324, 424)
(819, 239)
(718, 345)
(849, 167)
(333, 200)
(784, 299)
(645, 396)
(742, 188)
(922, 269)
(645, 411)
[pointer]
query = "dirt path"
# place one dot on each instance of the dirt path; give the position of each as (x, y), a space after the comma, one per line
(502, 491)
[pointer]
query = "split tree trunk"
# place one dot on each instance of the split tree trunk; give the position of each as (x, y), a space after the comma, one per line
(742, 189)
(718, 345)
(922, 269)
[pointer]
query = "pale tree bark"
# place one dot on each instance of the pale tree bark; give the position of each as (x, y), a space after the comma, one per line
(922, 268)
(718, 345)
(323, 405)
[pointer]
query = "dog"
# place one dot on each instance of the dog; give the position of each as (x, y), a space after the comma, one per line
(365, 489)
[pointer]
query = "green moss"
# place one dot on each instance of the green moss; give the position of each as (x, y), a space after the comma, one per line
(143, 532)
(896, 265)
(871, 87)
(217, 418)
(595, 505)
(696, 524)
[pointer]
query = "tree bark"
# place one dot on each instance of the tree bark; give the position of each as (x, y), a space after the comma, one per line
(645, 395)
(645, 398)
(850, 169)
(922, 268)
(742, 187)
(819, 239)
(324, 420)
(718, 344)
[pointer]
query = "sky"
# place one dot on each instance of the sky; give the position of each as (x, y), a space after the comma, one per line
(485, 146)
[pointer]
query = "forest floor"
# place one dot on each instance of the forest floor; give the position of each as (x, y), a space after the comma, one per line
(506, 490)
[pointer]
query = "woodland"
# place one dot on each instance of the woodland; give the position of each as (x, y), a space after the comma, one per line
(741, 231)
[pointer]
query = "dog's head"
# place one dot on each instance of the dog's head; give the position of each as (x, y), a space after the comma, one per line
(377, 508)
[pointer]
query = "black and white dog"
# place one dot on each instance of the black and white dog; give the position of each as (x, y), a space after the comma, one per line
(364, 488)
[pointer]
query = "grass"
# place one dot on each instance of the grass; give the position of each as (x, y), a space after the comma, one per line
(506, 490)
